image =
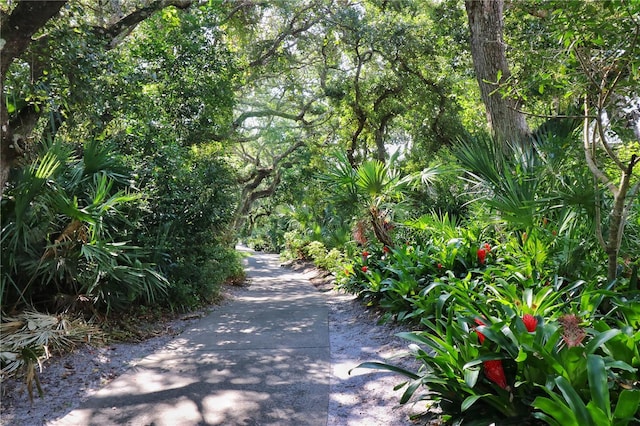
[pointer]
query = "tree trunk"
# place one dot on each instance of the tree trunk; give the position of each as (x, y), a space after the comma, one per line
(379, 227)
(17, 30)
(491, 68)
(617, 219)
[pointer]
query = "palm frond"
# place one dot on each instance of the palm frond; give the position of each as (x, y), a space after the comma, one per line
(29, 338)
(508, 180)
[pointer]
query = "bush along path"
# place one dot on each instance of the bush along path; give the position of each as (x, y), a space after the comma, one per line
(498, 347)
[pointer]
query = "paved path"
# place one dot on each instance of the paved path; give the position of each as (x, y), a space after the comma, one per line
(262, 360)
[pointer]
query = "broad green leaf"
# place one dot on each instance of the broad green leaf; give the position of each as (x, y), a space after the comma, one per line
(471, 376)
(469, 401)
(560, 412)
(628, 405)
(598, 383)
(575, 402)
(600, 339)
(597, 414)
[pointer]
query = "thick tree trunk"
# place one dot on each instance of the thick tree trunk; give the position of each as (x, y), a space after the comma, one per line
(491, 68)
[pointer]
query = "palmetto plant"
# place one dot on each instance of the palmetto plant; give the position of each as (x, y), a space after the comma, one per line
(59, 235)
(374, 190)
(507, 180)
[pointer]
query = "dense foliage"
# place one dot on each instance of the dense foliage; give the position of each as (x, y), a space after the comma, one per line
(146, 138)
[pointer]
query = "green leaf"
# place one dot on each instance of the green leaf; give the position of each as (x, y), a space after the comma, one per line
(556, 410)
(387, 367)
(628, 405)
(522, 355)
(498, 337)
(598, 383)
(547, 419)
(600, 339)
(471, 376)
(411, 389)
(574, 401)
(469, 401)
(596, 413)
(414, 337)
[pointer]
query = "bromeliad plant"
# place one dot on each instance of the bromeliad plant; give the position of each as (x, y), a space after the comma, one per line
(486, 360)
(399, 278)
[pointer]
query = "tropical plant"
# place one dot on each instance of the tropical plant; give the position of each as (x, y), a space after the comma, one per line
(506, 179)
(373, 192)
(484, 361)
(60, 223)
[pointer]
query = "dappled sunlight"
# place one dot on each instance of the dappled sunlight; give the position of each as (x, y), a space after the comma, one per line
(354, 341)
(183, 412)
(218, 389)
(222, 407)
(262, 359)
(145, 381)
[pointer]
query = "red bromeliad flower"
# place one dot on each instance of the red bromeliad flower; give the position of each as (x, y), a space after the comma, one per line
(482, 255)
(365, 254)
(487, 247)
(530, 322)
(386, 249)
(364, 269)
(493, 371)
(481, 336)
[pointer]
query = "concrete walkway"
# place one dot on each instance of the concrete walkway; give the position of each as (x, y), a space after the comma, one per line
(263, 359)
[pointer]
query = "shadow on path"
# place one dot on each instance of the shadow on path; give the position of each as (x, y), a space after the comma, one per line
(262, 360)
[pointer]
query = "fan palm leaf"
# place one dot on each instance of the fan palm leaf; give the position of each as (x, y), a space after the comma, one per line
(507, 181)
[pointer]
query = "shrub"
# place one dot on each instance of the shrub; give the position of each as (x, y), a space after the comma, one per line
(62, 245)
(187, 218)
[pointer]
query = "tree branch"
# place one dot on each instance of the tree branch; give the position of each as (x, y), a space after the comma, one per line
(589, 157)
(18, 28)
(269, 113)
(129, 22)
(291, 30)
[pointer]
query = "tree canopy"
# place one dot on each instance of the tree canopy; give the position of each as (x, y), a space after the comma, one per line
(259, 98)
